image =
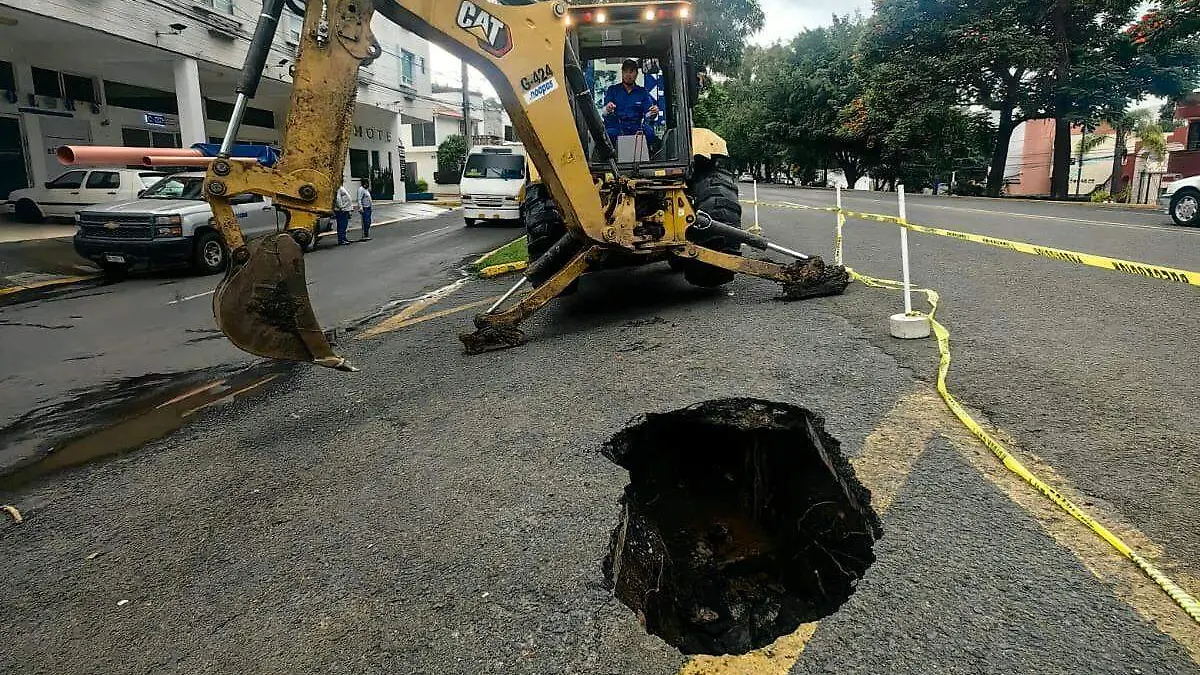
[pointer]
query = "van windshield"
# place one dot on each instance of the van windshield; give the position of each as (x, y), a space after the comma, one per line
(506, 167)
(177, 187)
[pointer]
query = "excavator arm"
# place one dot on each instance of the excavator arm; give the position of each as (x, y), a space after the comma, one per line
(521, 46)
(262, 303)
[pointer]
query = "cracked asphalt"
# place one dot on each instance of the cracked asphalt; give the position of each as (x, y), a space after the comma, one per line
(439, 513)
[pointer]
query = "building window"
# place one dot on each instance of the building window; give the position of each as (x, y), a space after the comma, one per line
(1193, 139)
(292, 25)
(132, 96)
(79, 88)
(424, 135)
(220, 111)
(407, 67)
(8, 79)
(509, 134)
(144, 138)
(46, 83)
(219, 5)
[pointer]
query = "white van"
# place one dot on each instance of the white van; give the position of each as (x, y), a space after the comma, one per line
(493, 183)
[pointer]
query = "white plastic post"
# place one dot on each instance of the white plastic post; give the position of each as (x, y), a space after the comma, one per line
(907, 326)
(757, 229)
(904, 252)
(841, 223)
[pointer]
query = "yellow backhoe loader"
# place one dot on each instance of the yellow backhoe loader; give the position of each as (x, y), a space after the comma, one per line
(601, 198)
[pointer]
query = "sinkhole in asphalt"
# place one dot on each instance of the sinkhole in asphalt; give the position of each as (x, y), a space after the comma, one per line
(742, 520)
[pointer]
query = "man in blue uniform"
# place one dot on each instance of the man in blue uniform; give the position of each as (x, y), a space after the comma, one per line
(629, 108)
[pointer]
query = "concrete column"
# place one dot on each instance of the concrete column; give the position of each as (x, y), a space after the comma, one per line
(398, 137)
(191, 103)
(32, 124)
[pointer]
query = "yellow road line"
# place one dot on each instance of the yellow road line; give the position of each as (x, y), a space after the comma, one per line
(43, 284)
(419, 305)
(428, 317)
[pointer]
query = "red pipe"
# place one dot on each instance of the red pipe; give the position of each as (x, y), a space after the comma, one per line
(186, 161)
(100, 155)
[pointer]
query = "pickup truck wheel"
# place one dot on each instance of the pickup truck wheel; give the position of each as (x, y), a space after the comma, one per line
(114, 272)
(1185, 208)
(28, 212)
(210, 255)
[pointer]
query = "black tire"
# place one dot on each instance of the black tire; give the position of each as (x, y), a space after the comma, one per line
(1185, 208)
(114, 272)
(28, 212)
(470, 222)
(544, 226)
(714, 191)
(210, 254)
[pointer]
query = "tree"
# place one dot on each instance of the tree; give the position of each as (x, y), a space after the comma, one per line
(980, 54)
(452, 151)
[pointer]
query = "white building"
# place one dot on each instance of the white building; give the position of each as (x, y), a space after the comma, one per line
(490, 124)
(163, 72)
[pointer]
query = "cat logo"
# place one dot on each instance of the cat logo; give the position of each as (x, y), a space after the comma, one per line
(493, 33)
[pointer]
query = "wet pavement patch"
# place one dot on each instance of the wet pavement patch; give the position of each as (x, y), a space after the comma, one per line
(122, 417)
(741, 521)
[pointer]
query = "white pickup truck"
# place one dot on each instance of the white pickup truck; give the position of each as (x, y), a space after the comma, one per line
(1180, 199)
(169, 224)
(78, 189)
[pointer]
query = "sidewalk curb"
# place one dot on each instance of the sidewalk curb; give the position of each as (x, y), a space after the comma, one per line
(499, 270)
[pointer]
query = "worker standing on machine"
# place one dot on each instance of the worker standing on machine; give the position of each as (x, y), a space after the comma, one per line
(629, 108)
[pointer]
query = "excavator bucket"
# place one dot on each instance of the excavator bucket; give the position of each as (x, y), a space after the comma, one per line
(262, 305)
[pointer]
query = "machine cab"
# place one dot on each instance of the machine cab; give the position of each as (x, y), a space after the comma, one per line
(650, 121)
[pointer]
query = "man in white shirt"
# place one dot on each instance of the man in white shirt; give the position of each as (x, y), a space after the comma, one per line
(342, 203)
(364, 205)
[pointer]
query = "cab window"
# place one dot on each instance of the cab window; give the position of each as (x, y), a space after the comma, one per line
(104, 180)
(70, 180)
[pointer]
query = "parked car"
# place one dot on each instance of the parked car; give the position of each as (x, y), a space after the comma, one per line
(493, 182)
(1180, 199)
(77, 189)
(170, 224)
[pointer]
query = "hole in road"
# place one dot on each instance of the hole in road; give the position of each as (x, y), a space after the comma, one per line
(741, 521)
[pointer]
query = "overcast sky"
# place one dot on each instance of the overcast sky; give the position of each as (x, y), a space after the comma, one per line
(785, 18)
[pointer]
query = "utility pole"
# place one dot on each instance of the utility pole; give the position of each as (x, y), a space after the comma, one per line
(466, 106)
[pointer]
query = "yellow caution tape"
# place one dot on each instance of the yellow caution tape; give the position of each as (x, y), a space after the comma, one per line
(1180, 596)
(1062, 255)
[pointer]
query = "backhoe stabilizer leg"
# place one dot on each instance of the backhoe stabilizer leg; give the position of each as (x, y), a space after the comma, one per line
(498, 330)
(805, 278)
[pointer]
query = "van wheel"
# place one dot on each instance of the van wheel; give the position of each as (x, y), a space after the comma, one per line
(210, 254)
(28, 212)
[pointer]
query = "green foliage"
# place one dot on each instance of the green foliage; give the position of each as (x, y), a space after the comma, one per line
(900, 95)
(1100, 196)
(452, 152)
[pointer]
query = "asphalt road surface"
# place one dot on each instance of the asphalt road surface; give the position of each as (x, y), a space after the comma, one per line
(439, 513)
(69, 353)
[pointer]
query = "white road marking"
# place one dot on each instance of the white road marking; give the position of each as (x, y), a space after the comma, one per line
(192, 297)
(440, 229)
